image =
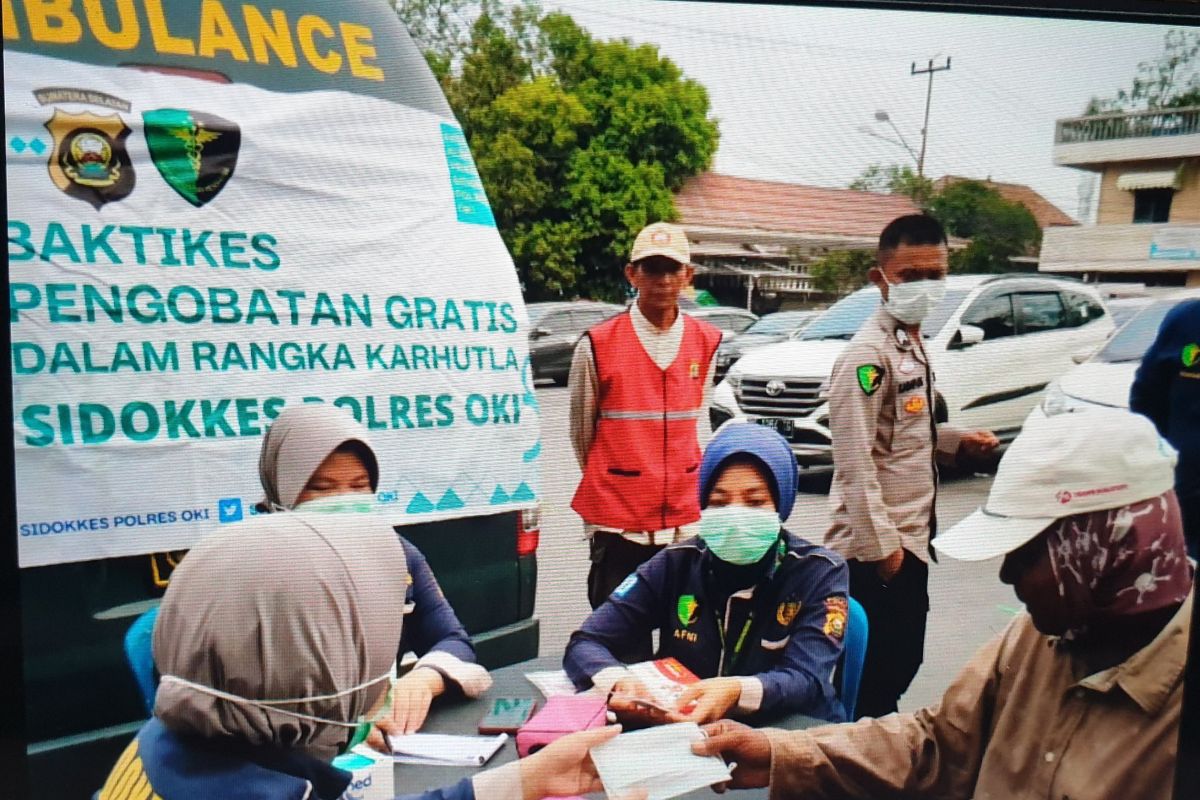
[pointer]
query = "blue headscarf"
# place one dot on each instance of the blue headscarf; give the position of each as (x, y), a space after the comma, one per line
(765, 445)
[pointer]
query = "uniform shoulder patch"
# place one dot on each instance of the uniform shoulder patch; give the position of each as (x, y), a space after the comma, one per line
(1190, 355)
(786, 612)
(870, 378)
(837, 609)
(625, 586)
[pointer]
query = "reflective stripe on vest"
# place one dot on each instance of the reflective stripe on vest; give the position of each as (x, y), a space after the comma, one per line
(650, 415)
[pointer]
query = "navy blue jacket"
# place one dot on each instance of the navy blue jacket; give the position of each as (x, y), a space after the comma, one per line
(1167, 390)
(432, 624)
(787, 645)
(161, 763)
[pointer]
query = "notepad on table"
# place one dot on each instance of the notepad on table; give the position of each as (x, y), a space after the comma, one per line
(446, 750)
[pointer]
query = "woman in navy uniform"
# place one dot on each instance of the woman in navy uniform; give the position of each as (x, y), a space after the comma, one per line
(752, 609)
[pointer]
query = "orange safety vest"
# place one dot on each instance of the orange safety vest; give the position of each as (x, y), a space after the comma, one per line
(642, 471)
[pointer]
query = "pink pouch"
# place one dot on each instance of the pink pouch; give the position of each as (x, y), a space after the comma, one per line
(558, 717)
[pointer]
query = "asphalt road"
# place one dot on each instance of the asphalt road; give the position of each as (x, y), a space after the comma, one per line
(968, 603)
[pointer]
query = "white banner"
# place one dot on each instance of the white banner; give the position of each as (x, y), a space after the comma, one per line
(188, 257)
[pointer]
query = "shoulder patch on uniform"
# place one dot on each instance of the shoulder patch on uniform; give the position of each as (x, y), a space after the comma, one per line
(870, 378)
(837, 609)
(1190, 354)
(625, 586)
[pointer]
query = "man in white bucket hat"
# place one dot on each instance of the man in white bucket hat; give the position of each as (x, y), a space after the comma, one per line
(1082, 695)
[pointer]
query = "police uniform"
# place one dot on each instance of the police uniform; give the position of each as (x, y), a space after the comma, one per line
(1166, 389)
(783, 635)
(886, 442)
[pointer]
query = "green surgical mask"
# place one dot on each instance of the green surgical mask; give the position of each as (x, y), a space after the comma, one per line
(739, 534)
(359, 503)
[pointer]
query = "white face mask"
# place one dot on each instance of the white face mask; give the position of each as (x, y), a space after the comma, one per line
(911, 302)
(361, 727)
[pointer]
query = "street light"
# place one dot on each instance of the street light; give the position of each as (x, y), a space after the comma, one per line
(883, 116)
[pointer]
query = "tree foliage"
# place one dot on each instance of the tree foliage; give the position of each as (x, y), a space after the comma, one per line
(579, 142)
(841, 271)
(1170, 81)
(894, 179)
(997, 228)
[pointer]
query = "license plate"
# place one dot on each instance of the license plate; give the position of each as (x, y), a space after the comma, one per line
(783, 426)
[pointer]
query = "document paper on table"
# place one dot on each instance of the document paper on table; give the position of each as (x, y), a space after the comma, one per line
(659, 760)
(446, 750)
(551, 683)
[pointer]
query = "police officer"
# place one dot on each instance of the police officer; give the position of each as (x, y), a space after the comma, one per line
(756, 612)
(1166, 389)
(639, 384)
(886, 443)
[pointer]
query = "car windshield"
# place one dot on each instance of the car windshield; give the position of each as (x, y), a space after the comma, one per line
(843, 319)
(776, 323)
(536, 312)
(1131, 342)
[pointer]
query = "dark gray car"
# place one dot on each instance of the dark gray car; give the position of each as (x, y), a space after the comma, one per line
(768, 329)
(554, 328)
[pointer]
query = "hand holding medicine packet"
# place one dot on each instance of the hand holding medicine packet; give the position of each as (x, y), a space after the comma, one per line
(659, 760)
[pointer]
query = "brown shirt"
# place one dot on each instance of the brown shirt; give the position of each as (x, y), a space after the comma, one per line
(1021, 722)
(881, 406)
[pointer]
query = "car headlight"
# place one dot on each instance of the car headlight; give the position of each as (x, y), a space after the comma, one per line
(1057, 401)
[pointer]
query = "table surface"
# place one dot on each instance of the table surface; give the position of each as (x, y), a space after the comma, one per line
(461, 716)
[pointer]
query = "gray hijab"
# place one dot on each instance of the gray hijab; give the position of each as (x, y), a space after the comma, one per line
(299, 439)
(281, 606)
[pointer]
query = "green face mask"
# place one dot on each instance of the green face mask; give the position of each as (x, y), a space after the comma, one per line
(739, 534)
(358, 503)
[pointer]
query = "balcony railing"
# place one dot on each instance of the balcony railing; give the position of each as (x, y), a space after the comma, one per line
(1107, 127)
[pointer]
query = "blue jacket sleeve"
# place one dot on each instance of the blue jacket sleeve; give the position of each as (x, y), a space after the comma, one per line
(1149, 395)
(463, 790)
(432, 624)
(630, 612)
(800, 682)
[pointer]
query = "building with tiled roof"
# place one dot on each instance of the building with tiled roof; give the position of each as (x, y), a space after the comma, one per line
(751, 239)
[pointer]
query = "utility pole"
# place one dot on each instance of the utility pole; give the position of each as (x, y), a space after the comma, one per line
(930, 70)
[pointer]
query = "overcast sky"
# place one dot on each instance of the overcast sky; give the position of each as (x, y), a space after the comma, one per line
(792, 86)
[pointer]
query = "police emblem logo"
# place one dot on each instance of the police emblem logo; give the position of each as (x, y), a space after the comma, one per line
(686, 608)
(870, 378)
(836, 611)
(89, 161)
(902, 337)
(194, 152)
(914, 404)
(1190, 355)
(786, 612)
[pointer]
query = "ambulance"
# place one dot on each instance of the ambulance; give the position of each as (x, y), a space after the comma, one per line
(217, 210)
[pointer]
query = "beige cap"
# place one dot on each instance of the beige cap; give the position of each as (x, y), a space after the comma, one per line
(662, 239)
(1060, 466)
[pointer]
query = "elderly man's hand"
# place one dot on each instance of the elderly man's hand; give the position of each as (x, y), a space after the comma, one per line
(738, 744)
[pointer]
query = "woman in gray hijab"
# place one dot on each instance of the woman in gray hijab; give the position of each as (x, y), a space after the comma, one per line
(268, 674)
(318, 457)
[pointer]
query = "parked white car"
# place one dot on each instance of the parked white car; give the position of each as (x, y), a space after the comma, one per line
(1104, 379)
(996, 342)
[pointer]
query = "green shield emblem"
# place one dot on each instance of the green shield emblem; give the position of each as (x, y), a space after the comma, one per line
(194, 152)
(1191, 354)
(686, 609)
(870, 377)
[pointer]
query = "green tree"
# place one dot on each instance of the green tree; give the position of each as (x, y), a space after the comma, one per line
(1170, 81)
(894, 179)
(579, 142)
(997, 228)
(842, 271)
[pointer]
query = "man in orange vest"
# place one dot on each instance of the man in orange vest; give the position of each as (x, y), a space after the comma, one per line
(639, 384)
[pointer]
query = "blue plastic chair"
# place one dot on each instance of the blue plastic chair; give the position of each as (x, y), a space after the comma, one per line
(854, 654)
(141, 657)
